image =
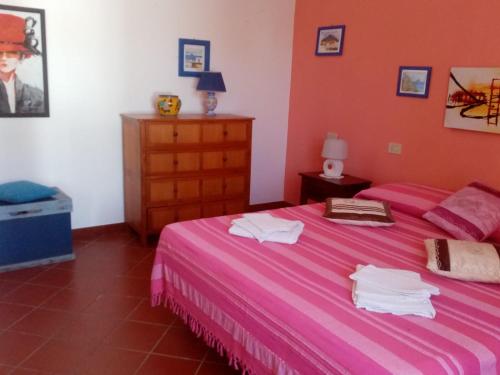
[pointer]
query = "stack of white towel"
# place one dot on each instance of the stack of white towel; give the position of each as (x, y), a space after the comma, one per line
(265, 227)
(393, 291)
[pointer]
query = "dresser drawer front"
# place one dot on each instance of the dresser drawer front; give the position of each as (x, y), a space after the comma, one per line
(169, 133)
(236, 159)
(212, 133)
(220, 187)
(167, 162)
(220, 208)
(236, 132)
(212, 187)
(170, 190)
(230, 159)
(159, 217)
(235, 185)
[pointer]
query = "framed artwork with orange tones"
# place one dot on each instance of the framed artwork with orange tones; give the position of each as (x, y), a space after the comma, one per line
(414, 81)
(473, 101)
(330, 40)
(23, 63)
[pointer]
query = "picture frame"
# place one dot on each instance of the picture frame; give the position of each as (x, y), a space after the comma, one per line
(330, 40)
(414, 81)
(473, 100)
(194, 57)
(23, 63)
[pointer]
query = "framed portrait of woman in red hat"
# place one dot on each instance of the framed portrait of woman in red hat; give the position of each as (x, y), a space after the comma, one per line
(23, 63)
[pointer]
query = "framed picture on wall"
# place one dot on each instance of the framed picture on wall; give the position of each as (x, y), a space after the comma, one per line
(194, 57)
(23, 63)
(473, 101)
(330, 40)
(414, 81)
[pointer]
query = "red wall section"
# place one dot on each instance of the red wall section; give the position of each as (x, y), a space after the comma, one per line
(354, 94)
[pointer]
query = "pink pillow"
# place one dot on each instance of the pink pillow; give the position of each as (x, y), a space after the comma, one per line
(412, 199)
(472, 213)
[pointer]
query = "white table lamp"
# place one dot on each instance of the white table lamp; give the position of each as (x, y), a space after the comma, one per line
(334, 151)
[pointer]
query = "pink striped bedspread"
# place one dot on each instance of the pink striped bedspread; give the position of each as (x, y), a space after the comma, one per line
(287, 309)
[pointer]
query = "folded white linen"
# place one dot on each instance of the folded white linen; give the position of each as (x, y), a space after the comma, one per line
(266, 223)
(245, 228)
(397, 281)
(398, 292)
(421, 307)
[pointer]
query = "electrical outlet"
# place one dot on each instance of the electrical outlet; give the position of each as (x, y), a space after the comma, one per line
(395, 148)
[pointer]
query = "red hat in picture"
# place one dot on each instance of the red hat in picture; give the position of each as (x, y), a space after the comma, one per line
(12, 34)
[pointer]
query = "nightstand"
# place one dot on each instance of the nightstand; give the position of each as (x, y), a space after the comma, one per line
(318, 188)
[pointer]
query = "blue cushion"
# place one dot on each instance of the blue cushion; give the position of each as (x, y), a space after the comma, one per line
(24, 191)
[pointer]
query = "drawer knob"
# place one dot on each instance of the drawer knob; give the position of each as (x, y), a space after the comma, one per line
(176, 134)
(224, 158)
(176, 162)
(225, 133)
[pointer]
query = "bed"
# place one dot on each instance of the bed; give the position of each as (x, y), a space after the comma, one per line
(287, 309)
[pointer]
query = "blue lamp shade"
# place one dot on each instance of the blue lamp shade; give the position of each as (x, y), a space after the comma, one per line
(211, 81)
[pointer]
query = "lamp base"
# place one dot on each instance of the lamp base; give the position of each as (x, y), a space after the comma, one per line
(333, 169)
(210, 103)
(330, 177)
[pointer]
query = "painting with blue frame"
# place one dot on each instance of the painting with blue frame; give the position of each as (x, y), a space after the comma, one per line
(194, 57)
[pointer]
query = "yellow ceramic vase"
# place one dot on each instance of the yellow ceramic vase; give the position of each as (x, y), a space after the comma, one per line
(168, 104)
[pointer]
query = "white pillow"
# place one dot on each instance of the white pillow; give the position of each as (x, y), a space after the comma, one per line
(358, 212)
(464, 260)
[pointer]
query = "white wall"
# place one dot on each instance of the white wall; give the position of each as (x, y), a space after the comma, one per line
(110, 57)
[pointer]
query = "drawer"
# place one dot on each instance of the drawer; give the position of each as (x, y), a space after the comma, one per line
(159, 217)
(236, 131)
(169, 162)
(169, 133)
(172, 190)
(213, 187)
(212, 160)
(221, 208)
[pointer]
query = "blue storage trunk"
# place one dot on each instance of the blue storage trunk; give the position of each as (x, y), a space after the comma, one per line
(35, 233)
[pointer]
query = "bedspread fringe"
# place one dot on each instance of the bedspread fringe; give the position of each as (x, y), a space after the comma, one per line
(200, 331)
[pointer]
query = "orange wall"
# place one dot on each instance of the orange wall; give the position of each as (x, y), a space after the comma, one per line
(354, 94)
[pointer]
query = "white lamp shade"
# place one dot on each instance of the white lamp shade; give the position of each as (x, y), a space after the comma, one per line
(335, 149)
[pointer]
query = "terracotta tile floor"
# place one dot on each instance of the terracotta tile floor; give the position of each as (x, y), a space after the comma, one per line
(92, 316)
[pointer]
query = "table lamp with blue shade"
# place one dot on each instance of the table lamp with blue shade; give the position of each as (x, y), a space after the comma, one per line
(211, 82)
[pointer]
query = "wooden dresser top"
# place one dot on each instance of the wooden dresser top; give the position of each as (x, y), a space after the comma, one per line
(184, 117)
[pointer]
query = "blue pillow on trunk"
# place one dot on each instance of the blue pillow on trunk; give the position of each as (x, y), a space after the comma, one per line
(24, 191)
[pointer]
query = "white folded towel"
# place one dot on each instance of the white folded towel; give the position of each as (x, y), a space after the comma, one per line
(421, 308)
(398, 292)
(396, 281)
(266, 223)
(260, 227)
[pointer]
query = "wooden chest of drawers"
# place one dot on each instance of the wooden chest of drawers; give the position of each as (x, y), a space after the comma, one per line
(184, 167)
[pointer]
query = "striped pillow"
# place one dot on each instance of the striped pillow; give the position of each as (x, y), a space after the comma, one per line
(464, 260)
(358, 212)
(412, 199)
(472, 213)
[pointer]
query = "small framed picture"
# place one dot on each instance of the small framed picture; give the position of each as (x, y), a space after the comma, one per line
(23, 63)
(330, 40)
(194, 57)
(414, 81)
